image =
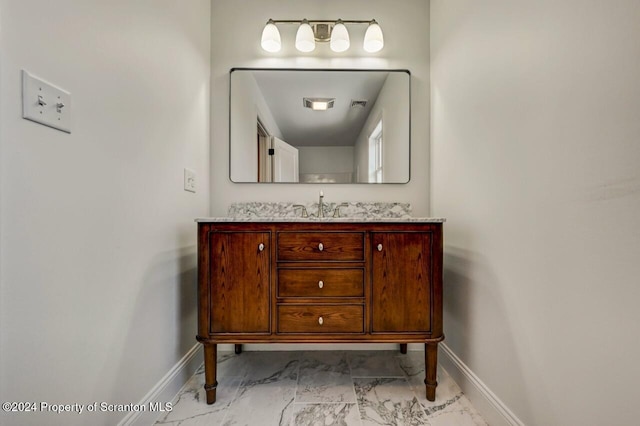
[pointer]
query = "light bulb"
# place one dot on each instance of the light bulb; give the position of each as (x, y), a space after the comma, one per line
(305, 40)
(319, 105)
(339, 37)
(271, 37)
(373, 40)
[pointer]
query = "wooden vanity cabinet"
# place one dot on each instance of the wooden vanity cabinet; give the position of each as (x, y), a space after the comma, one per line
(239, 282)
(319, 282)
(401, 283)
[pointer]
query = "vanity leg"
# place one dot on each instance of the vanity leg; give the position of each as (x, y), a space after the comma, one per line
(403, 348)
(210, 368)
(431, 368)
(238, 349)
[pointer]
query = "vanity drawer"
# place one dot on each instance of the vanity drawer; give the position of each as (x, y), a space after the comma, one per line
(321, 246)
(320, 282)
(320, 319)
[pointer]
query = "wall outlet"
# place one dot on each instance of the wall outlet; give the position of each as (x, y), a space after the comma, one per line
(189, 180)
(45, 104)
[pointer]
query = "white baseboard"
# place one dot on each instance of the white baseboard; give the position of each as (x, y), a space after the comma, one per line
(167, 388)
(492, 408)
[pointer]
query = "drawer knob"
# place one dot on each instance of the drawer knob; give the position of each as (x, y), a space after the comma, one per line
(320, 247)
(261, 247)
(379, 247)
(320, 284)
(320, 321)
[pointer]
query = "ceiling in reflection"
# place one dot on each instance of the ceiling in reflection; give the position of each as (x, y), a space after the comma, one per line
(339, 126)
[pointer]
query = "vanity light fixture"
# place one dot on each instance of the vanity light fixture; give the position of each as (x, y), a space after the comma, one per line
(339, 37)
(305, 39)
(318, 104)
(315, 31)
(271, 41)
(373, 40)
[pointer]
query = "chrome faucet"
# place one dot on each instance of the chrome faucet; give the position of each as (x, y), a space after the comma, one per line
(321, 205)
(336, 211)
(304, 209)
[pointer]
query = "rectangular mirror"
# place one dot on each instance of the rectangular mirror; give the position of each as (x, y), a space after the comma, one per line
(319, 126)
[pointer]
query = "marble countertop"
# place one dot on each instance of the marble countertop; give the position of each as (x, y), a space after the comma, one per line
(355, 212)
(325, 219)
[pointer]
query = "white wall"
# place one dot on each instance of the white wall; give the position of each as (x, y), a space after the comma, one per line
(248, 104)
(98, 244)
(392, 105)
(536, 156)
(406, 34)
(326, 159)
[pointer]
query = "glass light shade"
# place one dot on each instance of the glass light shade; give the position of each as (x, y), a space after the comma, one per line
(271, 41)
(339, 38)
(305, 40)
(373, 40)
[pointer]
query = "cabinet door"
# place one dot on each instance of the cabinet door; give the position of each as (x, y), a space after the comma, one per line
(401, 291)
(240, 282)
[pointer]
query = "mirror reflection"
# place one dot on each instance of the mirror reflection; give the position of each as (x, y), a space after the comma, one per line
(319, 126)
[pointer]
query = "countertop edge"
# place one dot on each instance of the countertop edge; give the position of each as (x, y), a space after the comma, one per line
(319, 220)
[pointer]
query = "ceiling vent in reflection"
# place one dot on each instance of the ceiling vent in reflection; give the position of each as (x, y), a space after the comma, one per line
(358, 104)
(318, 104)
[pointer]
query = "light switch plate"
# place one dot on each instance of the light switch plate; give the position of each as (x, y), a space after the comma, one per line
(189, 180)
(45, 103)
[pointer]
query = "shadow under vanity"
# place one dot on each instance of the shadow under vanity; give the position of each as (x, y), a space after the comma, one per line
(268, 276)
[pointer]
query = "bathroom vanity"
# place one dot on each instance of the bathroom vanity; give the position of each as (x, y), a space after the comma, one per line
(291, 280)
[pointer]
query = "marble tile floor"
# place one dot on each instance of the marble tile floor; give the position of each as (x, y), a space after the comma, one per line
(321, 388)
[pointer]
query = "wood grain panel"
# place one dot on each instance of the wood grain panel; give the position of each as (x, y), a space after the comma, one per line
(239, 282)
(335, 282)
(335, 319)
(401, 288)
(336, 246)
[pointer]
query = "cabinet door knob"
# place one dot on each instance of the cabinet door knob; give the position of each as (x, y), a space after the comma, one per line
(320, 284)
(379, 247)
(261, 247)
(320, 321)
(320, 247)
